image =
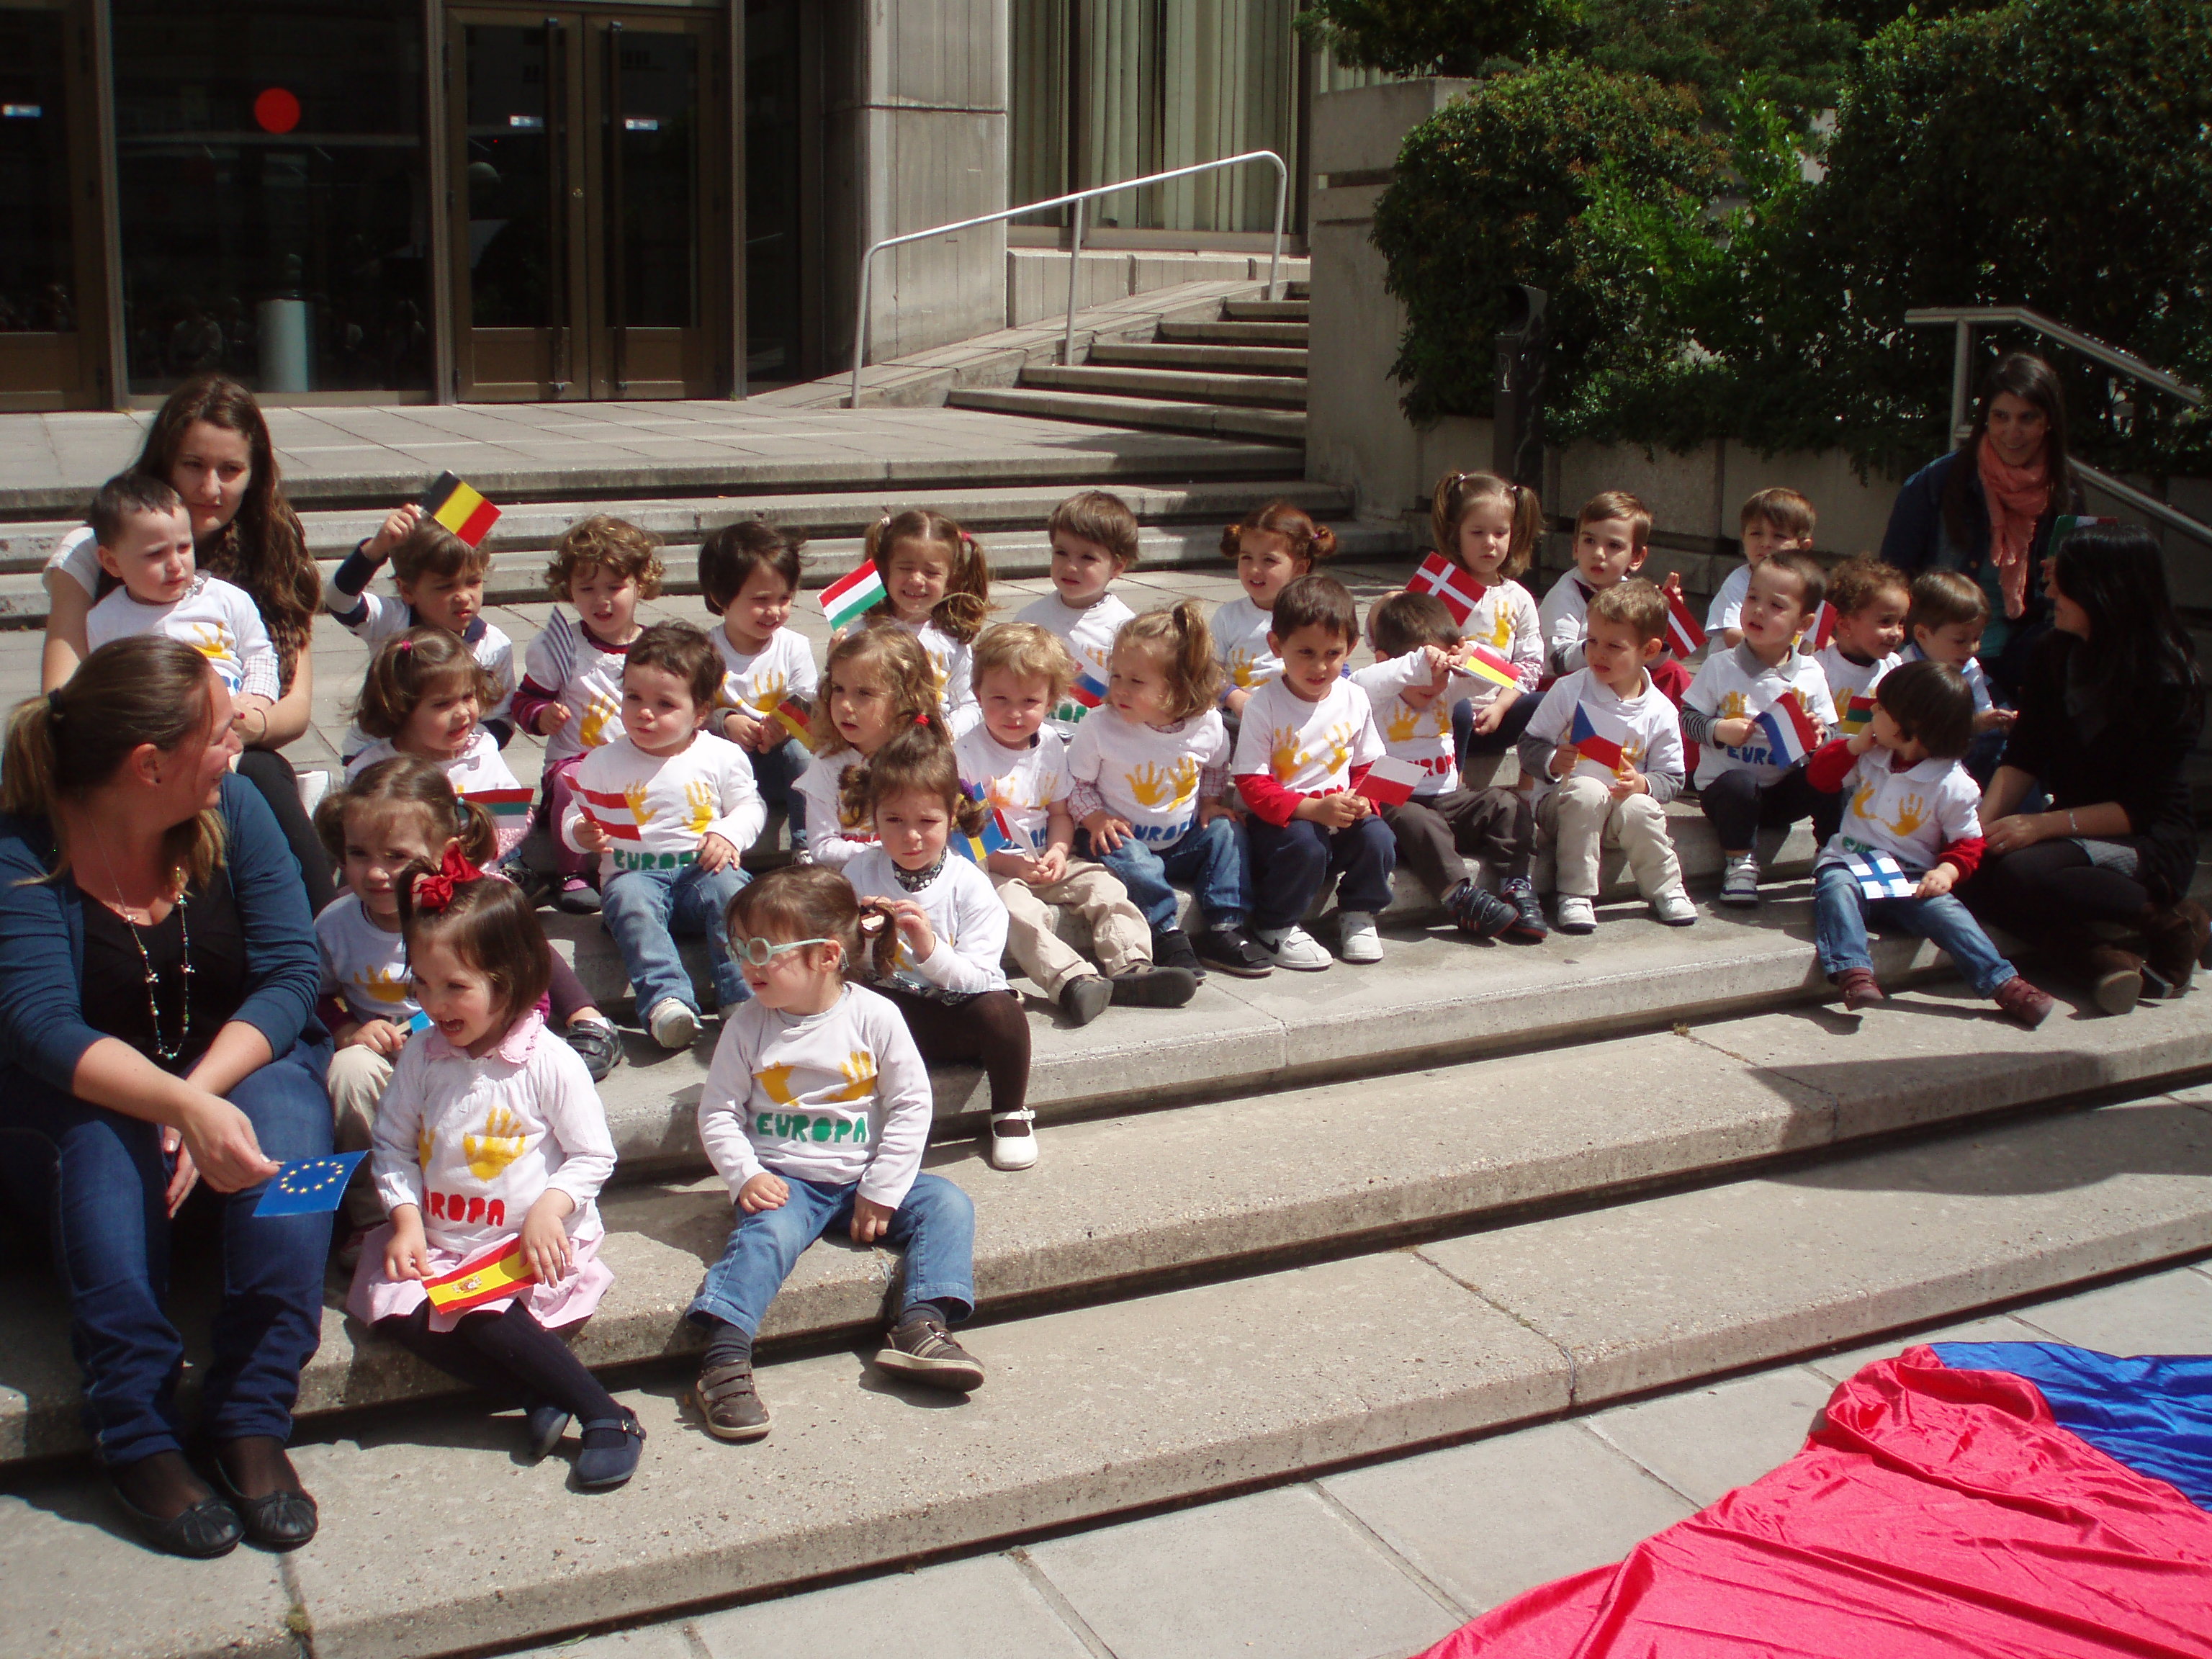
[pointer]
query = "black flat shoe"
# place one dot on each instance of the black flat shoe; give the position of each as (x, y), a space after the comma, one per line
(281, 1520)
(210, 1528)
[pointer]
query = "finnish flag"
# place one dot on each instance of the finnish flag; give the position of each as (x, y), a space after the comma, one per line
(1882, 876)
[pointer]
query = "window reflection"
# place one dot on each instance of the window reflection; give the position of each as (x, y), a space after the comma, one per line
(37, 294)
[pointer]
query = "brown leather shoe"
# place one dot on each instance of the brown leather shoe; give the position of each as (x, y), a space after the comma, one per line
(2174, 941)
(1860, 988)
(2116, 978)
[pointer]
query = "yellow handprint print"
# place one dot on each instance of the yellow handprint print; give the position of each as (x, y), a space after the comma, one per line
(425, 1143)
(1501, 631)
(1862, 802)
(213, 642)
(604, 707)
(1632, 757)
(767, 691)
(385, 984)
(777, 1080)
(1340, 747)
(1912, 813)
(1150, 786)
(499, 1145)
(634, 794)
(859, 1070)
(1404, 724)
(999, 792)
(1243, 671)
(1284, 754)
(1733, 707)
(699, 806)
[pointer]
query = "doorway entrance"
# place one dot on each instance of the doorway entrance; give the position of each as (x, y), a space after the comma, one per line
(590, 201)
(51, 344)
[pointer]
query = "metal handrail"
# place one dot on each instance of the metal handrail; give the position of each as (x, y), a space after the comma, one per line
(1075, 241)
(2150, 506)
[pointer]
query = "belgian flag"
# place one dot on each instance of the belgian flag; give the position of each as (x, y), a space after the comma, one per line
(459, 508)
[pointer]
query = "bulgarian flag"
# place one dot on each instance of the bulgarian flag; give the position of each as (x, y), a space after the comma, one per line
(459, 508)
(1790, 733)
(1484, 664)
(1450, 583)
(1599, 739)
(791, 714)
(1390, 780)
(612, 813)
(1684, 637)
(850, 596)
(490, 1275)
(505, 805)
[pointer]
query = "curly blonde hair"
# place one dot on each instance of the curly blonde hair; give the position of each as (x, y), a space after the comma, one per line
(618, 544)
(888, 652)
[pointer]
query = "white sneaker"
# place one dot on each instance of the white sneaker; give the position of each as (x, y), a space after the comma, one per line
(314, 786)
(1291, 947)
(1013, 1151)
(1674, 908)
(1740, 881)
(1356, 938)
(673, 1025)
(1574, 914)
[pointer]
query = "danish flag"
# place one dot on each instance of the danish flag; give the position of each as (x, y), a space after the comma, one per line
(1460, 592)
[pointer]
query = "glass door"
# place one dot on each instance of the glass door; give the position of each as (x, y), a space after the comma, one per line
(48, 257)
(589, 200)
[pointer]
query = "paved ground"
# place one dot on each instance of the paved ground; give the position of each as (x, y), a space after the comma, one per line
(1380, 1561)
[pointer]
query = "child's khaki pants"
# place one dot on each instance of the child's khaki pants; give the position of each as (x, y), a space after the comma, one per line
(1119, 933)
(1581, 818)
(357, 1077)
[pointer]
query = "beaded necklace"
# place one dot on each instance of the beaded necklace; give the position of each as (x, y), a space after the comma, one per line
(168, 1053)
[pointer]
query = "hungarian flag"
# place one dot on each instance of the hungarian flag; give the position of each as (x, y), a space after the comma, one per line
(1684, 637)
(459, 508)
(611, 812)
(506, 805)
(850, 596)
(1790, 733)
(1879, 876)
(490, 1275)
(791, 714)
(1484, 664)
(1450, 583)
(1088, 691)
(1598, 737)
(1390, 780)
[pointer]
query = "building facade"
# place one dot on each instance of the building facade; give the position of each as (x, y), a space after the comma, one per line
(377, 201)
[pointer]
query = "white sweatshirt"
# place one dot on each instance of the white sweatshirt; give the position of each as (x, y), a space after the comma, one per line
(965, 912)
(948, 661)
(1022, 785)
(821, 786)
(1240, 630)
(1734, 683)
(756, 681)
(1089, 636)
(1504, 620)
(1564, 616)
(1422, 737)
(656, 807)
(572, 668)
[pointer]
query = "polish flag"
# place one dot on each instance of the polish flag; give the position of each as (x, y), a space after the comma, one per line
(1460, 592)
(1390, 780)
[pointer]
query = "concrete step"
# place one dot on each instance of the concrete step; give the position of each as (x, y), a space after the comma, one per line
(1258, 334)
(437, 1539)
(1280, 426)
(1266, 311)
(1236, 359)
(1273, 390)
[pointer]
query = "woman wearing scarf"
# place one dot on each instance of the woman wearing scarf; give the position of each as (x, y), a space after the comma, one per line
(1986, 508)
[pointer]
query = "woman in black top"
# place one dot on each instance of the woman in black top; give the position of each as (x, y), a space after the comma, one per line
(2111, 707)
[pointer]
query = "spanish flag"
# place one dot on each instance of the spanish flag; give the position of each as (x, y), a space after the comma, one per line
(488, 1276)
(459, 508)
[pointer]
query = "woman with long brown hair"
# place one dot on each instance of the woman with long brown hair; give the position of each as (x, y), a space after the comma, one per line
(210, 444)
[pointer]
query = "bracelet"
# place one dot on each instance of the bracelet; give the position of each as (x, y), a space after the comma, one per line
(2072, 828)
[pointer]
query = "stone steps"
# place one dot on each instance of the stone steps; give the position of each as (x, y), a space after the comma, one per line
(1270, 390)
(1278, 426)
(1266, 311)
(1234, 358)
(1228, 333)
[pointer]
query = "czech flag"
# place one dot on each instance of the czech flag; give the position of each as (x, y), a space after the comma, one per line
(1790, 733)
(1390, 781)
(459, 508)
(1684, 637)
(1603, 747)
(791, 715)
(1089, 691)
(1484, 664)
(1450, 583)
(490, 1275)
(2000, 1498)
(850, 596)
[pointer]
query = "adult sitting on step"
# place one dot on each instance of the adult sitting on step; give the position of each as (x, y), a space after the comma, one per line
(210, 444)
(158, 976)
(2112, 704)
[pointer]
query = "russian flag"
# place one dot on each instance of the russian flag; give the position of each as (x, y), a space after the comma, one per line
(1790, 733)
(2000, 1498)
(1593, 744)
(1089, 690)
(1450, 583)
(1684, 637)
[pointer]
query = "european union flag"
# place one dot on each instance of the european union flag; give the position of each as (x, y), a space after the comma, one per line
(309, 1186)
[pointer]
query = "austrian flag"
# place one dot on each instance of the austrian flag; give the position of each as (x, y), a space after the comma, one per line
(1460, 592)
(1790, 733)
(1684, 637)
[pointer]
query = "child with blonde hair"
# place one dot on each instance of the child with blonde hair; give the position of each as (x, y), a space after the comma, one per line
(1095, 539)
(1489, 526)
(937, 585)
(1777, 520)
(423, 696)
(1150, 772)
(440, 580)
(748, 575)
(878, 681)
(1273, 545)
(571, 691)
(1015, 764)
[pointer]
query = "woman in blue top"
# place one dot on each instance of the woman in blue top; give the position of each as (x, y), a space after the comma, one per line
(158, 977)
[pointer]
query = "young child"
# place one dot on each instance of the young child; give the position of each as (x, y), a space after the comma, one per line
(1489, 527)
(748, 574)
(422, 695)
(1017, 766)
(1911, 799)
(439, 579)
(143, 538)
(668, 810)
(879, 681)
(1618, 795)
(1412, 686)
(1274, 545)
(1869, 599)
(937, 585)
(950, 927)
(1151, 768)
(816, 1112)
(571, 692)
(1772, 521)
(491, 1144)
(1613, 538)
(1943, 623)
(1742, 785)
(1095, 539)
(1308, 739)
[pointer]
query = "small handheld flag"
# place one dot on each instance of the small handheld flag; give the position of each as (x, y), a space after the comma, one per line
(491, 1274)
(419, 1023)
(1857, 715)
(850, 596)
(1088, 691)
(505, 805)
(2066, 524)
(453, 504)
(791, 714)
(309, 1186)
(1593, 744)
(1684, 637)
(1823, 627)
(598, 804)
(1450, 583)
(990, 835)
(1390, 780)
(1484, 664)
(1790, 733)
(1881, 876)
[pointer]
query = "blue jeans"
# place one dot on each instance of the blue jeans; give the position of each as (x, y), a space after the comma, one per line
(95, 1178)
(934, 1229)
(1290, 862)
(644, 910)
(1841, 912)
(775, 773)
(1212, 858)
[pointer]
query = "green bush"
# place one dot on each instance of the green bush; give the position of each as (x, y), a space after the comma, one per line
(1437, 36)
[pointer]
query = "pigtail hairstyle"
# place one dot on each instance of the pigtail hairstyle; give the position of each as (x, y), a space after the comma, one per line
(887, 653)
(402, 783)
(1310, 543)
(420, 662)
(1456, 492)
(915, 759)
(966, 606)
(1179, 640)
(490, 923)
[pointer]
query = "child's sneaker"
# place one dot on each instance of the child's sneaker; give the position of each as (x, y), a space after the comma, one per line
(2024, 1002)
(599, 1044)
(728, 1403)
(1860, 988)
(1528, 921)
(1227, 946)
(1357, 941)
(1674, 907)
(1013, 1139)
(1171, 950)
(919, 1348)
(1083, 998)
(1740, 881)
(1476, 911)
(673, 1024)
(1157, 986)
(1577, 914)
(1291, 947)
(577, 896)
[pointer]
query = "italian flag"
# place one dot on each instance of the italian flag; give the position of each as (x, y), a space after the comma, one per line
(845, 599)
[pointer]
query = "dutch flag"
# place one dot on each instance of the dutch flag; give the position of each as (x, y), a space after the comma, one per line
(1790, 733)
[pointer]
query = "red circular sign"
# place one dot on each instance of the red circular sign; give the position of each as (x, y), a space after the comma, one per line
(276, 110)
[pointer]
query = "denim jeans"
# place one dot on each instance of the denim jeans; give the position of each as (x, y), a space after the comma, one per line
(95, 1178)
(1212, 858)
(1291, 862)
(775, 773)
(934, 1229)
(644, 910)
(1841, 912)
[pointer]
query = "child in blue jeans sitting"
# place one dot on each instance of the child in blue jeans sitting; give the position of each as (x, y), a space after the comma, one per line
(816, 1111)
(1910, 802)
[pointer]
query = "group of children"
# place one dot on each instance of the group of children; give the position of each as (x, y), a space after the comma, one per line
(948, 785)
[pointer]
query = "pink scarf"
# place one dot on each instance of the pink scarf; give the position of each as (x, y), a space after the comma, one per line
(2016, 497)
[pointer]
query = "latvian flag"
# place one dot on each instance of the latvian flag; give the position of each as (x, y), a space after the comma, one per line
(791, 714)
(1879, 876)
(505, 805)
(490, 1275)
(1460, 592)
(1684, 637)
(1484, 664)
(459, 508)
(1088, 691)
(1390, 780)
(1602, 744)
(1790, 733)
(611, 812)
(850, 596)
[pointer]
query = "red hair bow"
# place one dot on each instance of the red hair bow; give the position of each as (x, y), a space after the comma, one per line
(434, 893)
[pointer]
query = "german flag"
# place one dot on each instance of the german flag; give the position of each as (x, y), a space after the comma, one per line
(487, 1276)
(791, 714)
(459, 508)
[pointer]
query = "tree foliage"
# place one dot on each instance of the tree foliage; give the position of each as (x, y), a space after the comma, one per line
(1459, 38)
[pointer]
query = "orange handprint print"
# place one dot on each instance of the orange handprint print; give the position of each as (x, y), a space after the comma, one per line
(1912, 813)
(1285, 756)
(1150, 786)
(603, 709)
(501, 1143)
